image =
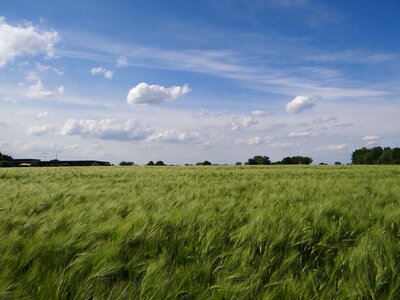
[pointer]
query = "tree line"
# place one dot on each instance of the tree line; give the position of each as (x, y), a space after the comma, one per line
(363, 156)
(255, 160)
(376, 156)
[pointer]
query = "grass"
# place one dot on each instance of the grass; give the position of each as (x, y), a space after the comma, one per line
(275, 232)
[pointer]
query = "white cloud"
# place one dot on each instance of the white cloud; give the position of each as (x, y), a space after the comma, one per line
(283, 145)
(122, 61)
(245, 123)
(255, 140)
(48, 147)
(204, 113)
(41, 130)
(107, 129)
(336, 147)
(306, 133)
(172, 136)
(108, 74)
(300, 103)
(100, 70)
(61, 90)
(42, 115)
(259, 113)
(44, 68)
(371, 138)
(97, 70)
(21, 41)
(37, 90)
(249, 121)
(144, 93)
(325, 120)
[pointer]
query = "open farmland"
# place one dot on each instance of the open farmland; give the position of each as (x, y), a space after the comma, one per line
(274, 232)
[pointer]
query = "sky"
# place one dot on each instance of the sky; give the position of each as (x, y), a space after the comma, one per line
(188, 81)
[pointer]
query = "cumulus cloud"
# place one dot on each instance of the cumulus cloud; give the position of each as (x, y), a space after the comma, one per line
(24, 40)
(306, 133)
(61, 90)
(255, 140)
(245, 123)
(144, 93)
(107, 129)
(259, 113)
(301, 103)
(122, 61)
(42, 115)
(337, 147)
(108, 74)
(41, 130)
(172, 136)
(37, 90)
(371, 139)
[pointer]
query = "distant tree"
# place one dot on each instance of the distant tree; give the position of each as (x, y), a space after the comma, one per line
(322, 164)
(338, 163)
(286, 161)
(386, 157)
(4, 157)
(159, 163)
(5, 164)
(150, 163)
(376, 155)
(259, 160)
(296, 160)
(126, 163)
(35, 164)
(204, 163)
(238, 163)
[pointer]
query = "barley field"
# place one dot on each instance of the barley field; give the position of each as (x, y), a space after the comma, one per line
(243, 232)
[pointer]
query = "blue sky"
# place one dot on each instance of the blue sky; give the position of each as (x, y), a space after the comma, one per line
(185, 81)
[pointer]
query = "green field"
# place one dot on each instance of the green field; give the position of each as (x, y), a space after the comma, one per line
(273, 232)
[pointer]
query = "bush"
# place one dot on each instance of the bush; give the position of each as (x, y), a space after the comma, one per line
(4, 157)
(126, 163)
(5, 164)
(204, 163)
(259, 160)
(296, 160)
(376, 155)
